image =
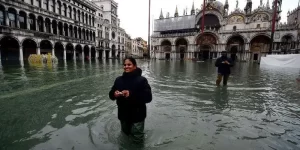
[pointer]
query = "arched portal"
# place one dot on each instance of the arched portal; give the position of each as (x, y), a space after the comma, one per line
(86, 50)
(181, 47)
(12, 17)
(205, 43)
(78, 50)
(166, 47)
(93, 52)
(259, 44)
(9, 49)
(235, 44)
(59, 50)
(29, 47)
(287, 43)
(46, 47)
(70, 51)
(211, 22)
(113, 51)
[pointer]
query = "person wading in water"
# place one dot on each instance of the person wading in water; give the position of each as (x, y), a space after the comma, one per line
(132, 92)
(223, 63)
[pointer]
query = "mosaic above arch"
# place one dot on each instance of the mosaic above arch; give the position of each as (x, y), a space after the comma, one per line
(260, 17)
(236, 19)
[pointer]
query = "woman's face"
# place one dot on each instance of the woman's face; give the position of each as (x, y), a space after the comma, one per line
(128, 66)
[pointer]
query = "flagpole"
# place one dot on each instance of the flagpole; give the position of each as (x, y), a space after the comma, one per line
(149, 30)
(203, 14)
(273, 26)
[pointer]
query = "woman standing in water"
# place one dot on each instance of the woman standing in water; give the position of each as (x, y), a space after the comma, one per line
(132, 92)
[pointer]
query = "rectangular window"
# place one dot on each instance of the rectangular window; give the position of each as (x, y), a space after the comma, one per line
(1, 18)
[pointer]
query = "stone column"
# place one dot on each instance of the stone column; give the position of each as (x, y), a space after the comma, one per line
(90, 53)
(110, 53)
(6, 17)
(74, 54)
(97, 54)
(18, 20)
(36, 24)
(53, 52)
(27, 22)
(38, 51)
(50, 29)
(21, 58)
(82, 55)
(65, 54)
(103, 54)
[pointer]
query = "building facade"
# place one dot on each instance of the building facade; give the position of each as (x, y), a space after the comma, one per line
(64, 28)
(246, 34)
(137, 48)
(128, 45)
(112, 43)
(68, 29)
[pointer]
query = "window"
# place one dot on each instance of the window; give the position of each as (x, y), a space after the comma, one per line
(74, 14)
(258, 26)
(45, 5)
(31, 22)
(2, 20)
(12, 19)
(234, 28)
(38, 3)
(22, 21)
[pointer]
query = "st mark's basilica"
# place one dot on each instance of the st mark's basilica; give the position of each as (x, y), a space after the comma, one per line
(244, 33)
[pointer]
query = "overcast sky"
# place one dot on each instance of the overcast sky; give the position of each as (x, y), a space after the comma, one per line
(134, 13)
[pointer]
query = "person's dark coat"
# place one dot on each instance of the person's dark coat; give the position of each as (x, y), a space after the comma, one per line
(133, 108)
(223, 68)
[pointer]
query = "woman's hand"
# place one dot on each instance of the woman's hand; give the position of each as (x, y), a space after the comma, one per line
(117, 94)
(126, 93)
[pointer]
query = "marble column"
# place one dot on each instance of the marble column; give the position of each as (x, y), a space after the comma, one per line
(82, 55)
(27, 22)
(74, 54)
(65, 54)
(21, 58)
(90, 53)
(38, 51)
(97, 54)
(53, 52)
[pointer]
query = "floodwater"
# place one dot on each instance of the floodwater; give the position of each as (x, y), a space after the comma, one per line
(66, 107)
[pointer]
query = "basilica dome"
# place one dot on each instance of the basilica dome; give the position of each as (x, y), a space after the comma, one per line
(217, 5)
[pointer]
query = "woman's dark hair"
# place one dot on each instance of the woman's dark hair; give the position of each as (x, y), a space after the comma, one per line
(130, 59)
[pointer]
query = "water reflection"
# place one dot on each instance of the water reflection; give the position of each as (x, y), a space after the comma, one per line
(221, 98)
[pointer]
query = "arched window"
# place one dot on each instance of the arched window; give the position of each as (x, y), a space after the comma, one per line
(78, 14)
(64, 10)
(41, 24)
(74, 14)
(2, 15)
(52, 5)
(23, 20)
(12, 17)
(32, 22)
(59, 7)
(70, 12)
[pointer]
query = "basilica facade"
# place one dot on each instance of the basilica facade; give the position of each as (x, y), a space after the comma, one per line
(245, 34)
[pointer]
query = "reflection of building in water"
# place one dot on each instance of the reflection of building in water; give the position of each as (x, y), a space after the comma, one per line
(243, 33)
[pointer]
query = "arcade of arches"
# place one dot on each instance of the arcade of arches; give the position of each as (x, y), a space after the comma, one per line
(11, 49)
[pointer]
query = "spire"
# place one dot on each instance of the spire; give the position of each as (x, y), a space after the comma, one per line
(176, 12)
(226, 4)
(268, 4)
(193, 9)
(183, 12)
(161, 15)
